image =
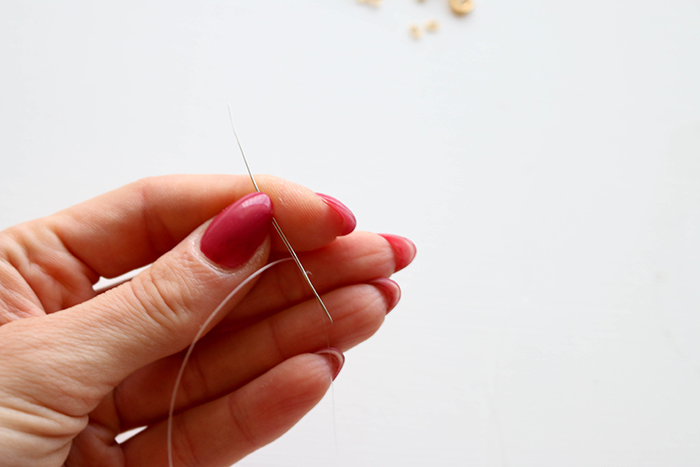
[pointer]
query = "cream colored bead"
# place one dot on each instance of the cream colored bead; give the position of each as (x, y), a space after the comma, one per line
(432, 25)
(415, 31)
(461, 7)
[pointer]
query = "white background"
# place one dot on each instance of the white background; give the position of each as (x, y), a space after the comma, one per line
(543, 155)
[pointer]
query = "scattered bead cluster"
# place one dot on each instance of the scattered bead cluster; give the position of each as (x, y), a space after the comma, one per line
(458, 7)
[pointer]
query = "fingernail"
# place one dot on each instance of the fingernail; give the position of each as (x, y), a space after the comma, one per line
(404, 250)
(390, 289)
(349, 221)
(335, 359)
(236, 233)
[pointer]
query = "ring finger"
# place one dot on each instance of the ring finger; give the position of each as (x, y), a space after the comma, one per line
(224, 362)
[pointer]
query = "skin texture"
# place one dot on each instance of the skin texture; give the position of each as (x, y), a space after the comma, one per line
(78, 366)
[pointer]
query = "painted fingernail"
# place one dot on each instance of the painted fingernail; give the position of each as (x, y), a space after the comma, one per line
(236, 233)
(349, 221)
(390, 289)
(404, 250)
(335, 359)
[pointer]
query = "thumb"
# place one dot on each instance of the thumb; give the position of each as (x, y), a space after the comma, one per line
(101, 341)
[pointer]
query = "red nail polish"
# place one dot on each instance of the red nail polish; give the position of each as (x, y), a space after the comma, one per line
(335, 358)
(404, 250)
(390, 289)
(349, 221)
(236, 233)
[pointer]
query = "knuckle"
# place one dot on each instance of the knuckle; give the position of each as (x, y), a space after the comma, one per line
(185, 444)
(161, 297)
(247, 438)
(292, 286)
(148, 185)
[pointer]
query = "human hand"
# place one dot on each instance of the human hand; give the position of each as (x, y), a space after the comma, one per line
(77, 367)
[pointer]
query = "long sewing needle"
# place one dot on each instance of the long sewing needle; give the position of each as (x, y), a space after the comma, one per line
(275, 224)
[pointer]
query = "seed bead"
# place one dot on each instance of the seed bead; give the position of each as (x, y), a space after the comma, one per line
(432, 25)
(461, 7)
(415, 31)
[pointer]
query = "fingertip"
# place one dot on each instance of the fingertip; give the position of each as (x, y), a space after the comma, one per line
(304, 218)
(404, 250)
(335, 359)
(390, 289)
(348, 222)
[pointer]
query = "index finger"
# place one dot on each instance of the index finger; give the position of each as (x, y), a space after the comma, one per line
(134, 225)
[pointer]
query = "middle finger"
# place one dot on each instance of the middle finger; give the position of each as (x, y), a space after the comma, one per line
(223, 362)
